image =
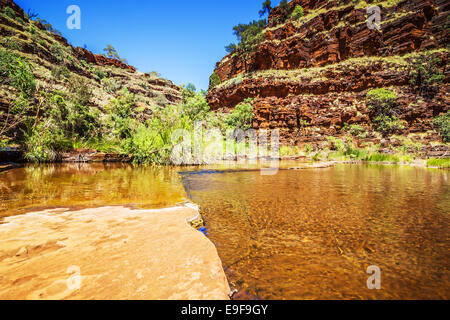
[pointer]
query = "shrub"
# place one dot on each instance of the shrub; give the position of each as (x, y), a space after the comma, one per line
(10, 43)
(16, 72)
(388, 125)
(80, 90)
(298, 12)
(32, 30)
(48, 26)
(120, 114)
(196, 107)
(99, 74)
(214, 80)
(336, 144)
(439, 163)
(382, 103)
(425, 75)
(111, 85)
(148, 145)
(60, 72)
(241, 116)
(9, 12)
(42, 142)
(249, 35)
(355, 130)
(57, 52)
(231, 48)
(442, 124)
(284, 11)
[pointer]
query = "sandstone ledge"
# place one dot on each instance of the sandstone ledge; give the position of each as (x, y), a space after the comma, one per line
(121, 254)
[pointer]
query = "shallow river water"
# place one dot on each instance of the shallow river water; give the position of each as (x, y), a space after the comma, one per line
(312, 234)
(299, 234)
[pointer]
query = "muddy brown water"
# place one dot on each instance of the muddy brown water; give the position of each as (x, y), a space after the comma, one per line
(306, 234)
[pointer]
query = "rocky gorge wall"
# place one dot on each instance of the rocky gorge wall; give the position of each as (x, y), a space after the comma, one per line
(50, 53)
(309, 77)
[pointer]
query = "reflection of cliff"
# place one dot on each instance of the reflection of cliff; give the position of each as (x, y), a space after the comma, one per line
(310, 76)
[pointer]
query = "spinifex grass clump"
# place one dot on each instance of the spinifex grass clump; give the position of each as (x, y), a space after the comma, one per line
(439, 163)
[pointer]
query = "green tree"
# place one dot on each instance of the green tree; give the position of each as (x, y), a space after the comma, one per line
(425, 75)
(298, 12)
(442, 124)
(383, 105)
(231, 48)
(266, 8)
(241, 116)
(284, 10)
(111, 52)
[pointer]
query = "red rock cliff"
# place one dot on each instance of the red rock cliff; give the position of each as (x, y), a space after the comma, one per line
(310, 76)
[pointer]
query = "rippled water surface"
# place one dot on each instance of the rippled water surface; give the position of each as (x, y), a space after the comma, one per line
(311, 234)
(298, 234)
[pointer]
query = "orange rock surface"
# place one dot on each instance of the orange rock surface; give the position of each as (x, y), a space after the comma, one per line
(108, 253)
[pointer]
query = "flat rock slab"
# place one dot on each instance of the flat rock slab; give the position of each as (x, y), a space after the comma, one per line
(108, 253)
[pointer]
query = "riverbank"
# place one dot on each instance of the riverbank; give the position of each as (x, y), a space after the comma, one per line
(119, 253)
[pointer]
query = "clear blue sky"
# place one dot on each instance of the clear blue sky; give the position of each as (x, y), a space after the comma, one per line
(180, 39)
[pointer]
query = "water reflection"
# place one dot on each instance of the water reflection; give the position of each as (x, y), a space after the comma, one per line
(87, 185)
(311, 234)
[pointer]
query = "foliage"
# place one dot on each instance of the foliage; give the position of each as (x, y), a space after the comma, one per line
(57, 52)
(16, 72)
(195, 107)
(48, 26)
(214, 80)
(42, 141)
(60, 73)
(442, 124)
(111, 85)
(111, 52)
(382, 157)
(80, 89)
(388, 125)
(286, 151)
(266, 8)
(298, 12)
(382, 103)
(284, 10)
(9, 12)
(355, 130)
(231, 48)
(248, 35)
(425, 75)
(120, 115)
(10, 43)
(99, 74)
(439, 163)
(241, 116)
(336, 144)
